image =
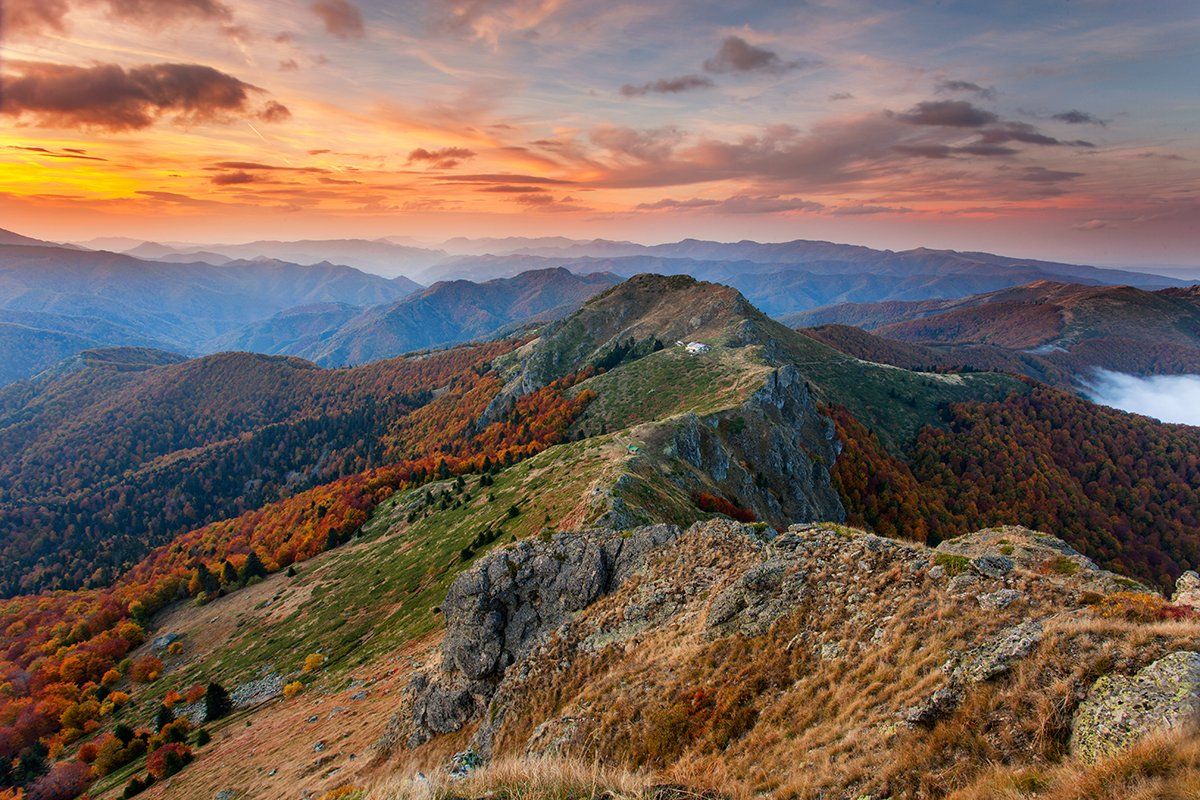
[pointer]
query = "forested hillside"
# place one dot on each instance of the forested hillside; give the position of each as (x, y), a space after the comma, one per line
(123, 455)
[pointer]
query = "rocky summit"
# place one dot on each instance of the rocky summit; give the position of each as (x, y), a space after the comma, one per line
(882, 662)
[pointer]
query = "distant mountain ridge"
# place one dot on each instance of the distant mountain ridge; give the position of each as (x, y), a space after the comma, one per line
(1057, 326)
(63, 298)
(449, 312)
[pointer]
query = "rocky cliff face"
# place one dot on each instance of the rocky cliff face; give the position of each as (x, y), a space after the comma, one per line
(727, 647)
(497, 611)
(773, 454)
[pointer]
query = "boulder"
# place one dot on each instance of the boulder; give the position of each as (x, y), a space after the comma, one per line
(985, 662)
(511, 600)
(1187, 590)
(1122, 709)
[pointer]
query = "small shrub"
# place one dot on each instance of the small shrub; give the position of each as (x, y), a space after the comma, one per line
(203, 737)
(292, 689)
(1061, 565)
(217, 702)
(146, 669)
(953, 564)
(1132, 606)
(313, 662)
(168, 759)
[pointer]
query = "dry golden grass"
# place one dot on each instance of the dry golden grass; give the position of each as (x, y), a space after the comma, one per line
(523, 779)
(1160, 768)
(772, 715)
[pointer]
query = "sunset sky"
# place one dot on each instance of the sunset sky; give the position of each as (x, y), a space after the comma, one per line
(1058, 129)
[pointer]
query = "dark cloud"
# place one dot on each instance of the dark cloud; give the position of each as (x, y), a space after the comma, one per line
(505, 188)
(547, 202)
(948, 113)
(233, 178)
(66, 152)
(737, 204)
(936, 150)
(983, 149)
(925, 150)
(863, 209)
(341, 18)
(841, 96)
(1077, 117)
(274, 111)
(445, 158)
(502, 177)
(36, 17)
(259, 166)
(1026, 133)
(110, 97)
(967, 87)
(1163, 156)
(738, 55)
(288, 65)
(684, 83)
(643, 145)
(1043, 175)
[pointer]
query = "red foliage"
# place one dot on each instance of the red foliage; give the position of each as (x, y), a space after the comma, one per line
(720, 505)
(168, 759)
(65, 780)
(56, 644)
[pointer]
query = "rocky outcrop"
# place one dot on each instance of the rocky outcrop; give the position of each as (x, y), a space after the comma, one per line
(993, 552)
(731, 638)
(498, 610)
(1187, 590)
(759, 597)
(1121, 709)
(773, 454)
(984, 662)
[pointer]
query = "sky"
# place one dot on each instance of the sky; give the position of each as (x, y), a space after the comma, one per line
(1054, 129)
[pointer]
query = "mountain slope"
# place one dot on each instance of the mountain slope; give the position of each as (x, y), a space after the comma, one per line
(1072, 327)
(725, 656)
(455, 311)
(176, 306)
(124, 451)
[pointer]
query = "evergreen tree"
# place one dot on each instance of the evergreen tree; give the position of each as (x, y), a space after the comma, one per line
(229, 575)
(253, 568)
(217, 703)
(164, 718)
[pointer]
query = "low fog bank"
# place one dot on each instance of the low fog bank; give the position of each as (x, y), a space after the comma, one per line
(1169, 398)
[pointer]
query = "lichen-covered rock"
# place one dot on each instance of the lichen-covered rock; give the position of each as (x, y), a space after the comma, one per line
(1121, 709)
(1187, 590)
(984, 662)
(759, 597)
(994, 552)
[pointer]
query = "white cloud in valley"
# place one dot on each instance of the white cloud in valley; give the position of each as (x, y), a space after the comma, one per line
(1169, 398)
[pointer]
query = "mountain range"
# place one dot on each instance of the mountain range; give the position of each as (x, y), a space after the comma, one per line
(448, 312)
(585, 539)
(1051, 331)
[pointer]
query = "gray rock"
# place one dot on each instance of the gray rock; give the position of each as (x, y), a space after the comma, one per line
(225, 794)
(1121, 709)
(993, 566)
(164, 641)
(511, 600)
(762, 595)
(964, 584)
(984, 662)
(1002, 598)
(1187, 590)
